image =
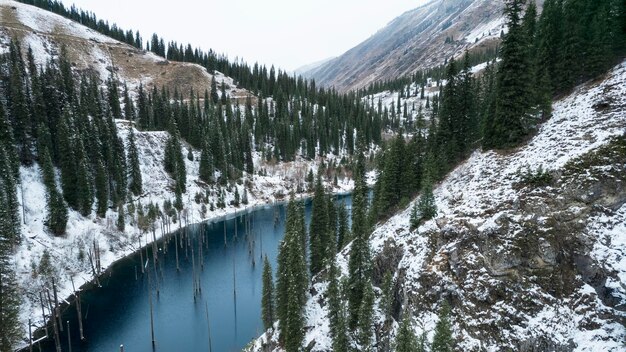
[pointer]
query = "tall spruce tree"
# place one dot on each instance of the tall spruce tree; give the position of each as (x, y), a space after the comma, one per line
(443, 340)
(102, 190)
(9, 184)
(10, 331)
(359, 264)
(292, 279)
(366, 320)
(318, 230)
(336, 311)
(134, 171)
(406, 341)
(267, 300)
(513, 93)
(343, 229)
(8, 142)
(56, 221)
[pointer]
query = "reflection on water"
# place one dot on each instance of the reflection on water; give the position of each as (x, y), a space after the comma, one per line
(226, 276)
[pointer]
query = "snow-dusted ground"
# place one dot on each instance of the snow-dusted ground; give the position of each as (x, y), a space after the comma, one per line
(68, 253)
(491, 29)
(389, 99)
(478, 194)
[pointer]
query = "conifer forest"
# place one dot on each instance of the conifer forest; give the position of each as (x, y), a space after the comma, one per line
(485, 187)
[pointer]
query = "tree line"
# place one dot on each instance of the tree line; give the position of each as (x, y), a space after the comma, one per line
(503, 106)
(498, 110)
(350, 299)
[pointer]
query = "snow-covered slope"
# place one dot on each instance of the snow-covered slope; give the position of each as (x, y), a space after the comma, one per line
(89, 51)
(418, 39)
(67, 253)
(526, 268)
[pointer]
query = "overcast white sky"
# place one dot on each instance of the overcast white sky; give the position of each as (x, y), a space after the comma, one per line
(287, 33)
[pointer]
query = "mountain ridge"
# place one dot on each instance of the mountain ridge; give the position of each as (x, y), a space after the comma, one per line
(418, 39)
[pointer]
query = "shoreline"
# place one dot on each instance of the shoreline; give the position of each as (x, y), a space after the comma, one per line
(91, 283)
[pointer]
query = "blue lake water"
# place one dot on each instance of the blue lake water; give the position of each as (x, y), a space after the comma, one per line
(119, 311)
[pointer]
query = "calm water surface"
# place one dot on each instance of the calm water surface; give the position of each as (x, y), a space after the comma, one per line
(119, 312)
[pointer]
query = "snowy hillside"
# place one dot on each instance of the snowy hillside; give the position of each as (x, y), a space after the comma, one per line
(67, 254)
(524, 266)
(89, 51)
(418, 39)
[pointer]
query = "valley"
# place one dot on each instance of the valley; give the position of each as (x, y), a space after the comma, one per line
(453, 183)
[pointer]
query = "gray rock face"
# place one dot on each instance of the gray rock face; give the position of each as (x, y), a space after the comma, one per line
(538, 255)
(420, 38)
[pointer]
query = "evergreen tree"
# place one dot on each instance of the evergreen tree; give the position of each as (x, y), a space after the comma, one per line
(174, 161)
(267, 301)
(443, 341)
(11, 216)
(359, 264)
(134, 172)
(84, 190)
(392, 185)
(513, 92)
(292, 279)
(69, 179)
(18, 104)
(366, 313)
(214, 96)
(206, 165)
(343, 230)
(406, 341)
(427, 207)
(102, 192)
(10, 331)
(56, 220)
(318, 231)
(121, 222)
(336, 311)
(8, 142)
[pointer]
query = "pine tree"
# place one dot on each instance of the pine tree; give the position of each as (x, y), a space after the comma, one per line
(102, 192)
(18, 104)
(10, 331)
(359, 264)
(406, 341)
(121, 222)
(513, 92)
(443, 341)
(174, 161)
(206, 165)
(318, 231)
(214, 96)
(56, 220)
(292, 280)
(267, 301)
(8, 142)
(9, 184)
(427, 207)
(336, 311)
(84, 190)
(343, 230)
(366, 313)
(134, 172)
(67, 161)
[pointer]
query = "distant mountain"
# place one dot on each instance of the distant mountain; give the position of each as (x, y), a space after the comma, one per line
(302, 70)
(417, 39)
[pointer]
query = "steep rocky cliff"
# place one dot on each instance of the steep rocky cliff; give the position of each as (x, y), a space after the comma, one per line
(529, 246)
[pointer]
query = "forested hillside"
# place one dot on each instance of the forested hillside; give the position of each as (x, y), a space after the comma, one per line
(93, 164)
(108, 141)
(460, 267)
